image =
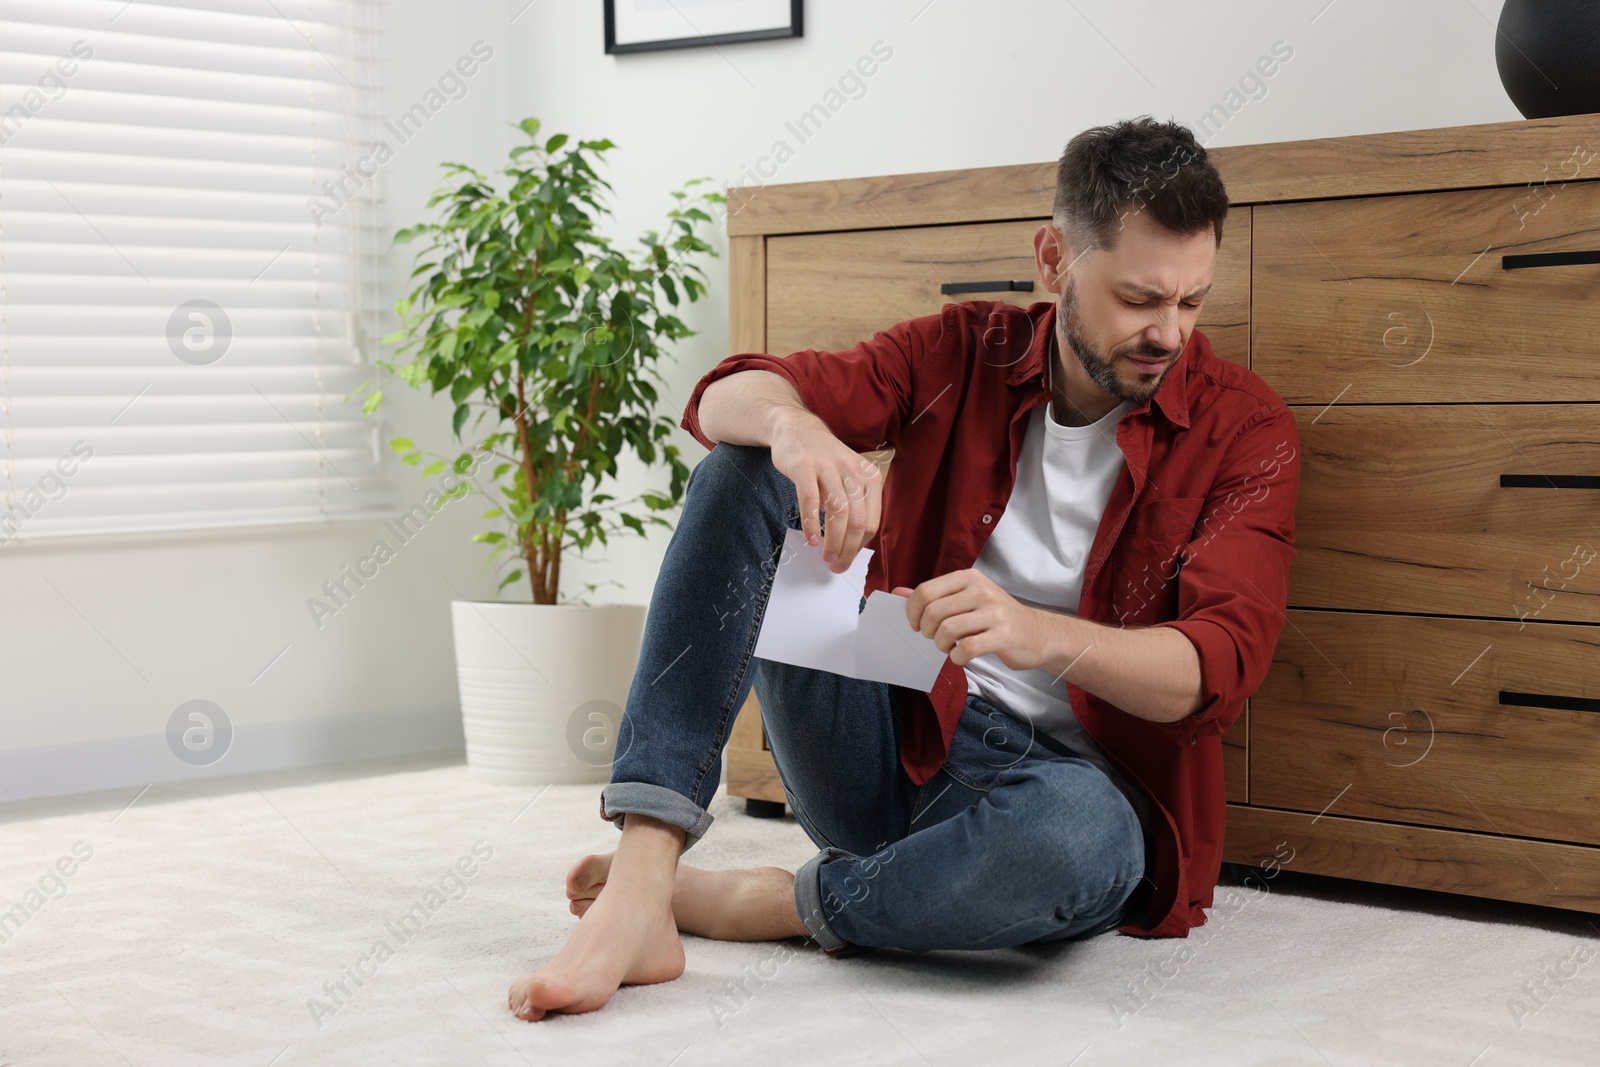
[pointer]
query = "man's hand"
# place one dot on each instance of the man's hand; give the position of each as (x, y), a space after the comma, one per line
(967, 615)
(1152, 673)
(762, 409)
(829, 476)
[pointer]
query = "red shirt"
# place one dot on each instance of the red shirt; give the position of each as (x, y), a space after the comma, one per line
(1197, 535)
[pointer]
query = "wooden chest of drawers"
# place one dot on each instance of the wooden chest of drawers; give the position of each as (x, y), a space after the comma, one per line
(1429, 304)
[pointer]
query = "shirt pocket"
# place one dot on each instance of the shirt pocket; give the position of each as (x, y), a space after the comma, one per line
(1149, 556)
(1165, 518)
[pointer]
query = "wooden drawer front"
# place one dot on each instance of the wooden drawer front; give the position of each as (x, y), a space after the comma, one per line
(829, 291)
(1406, 713)
(1236, 758)
(1401, 508)
(1387, 299)
(1445, 861)
(1225, 315)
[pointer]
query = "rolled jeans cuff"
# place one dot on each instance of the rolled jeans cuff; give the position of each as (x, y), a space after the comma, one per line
(808, 904)
(658, 802)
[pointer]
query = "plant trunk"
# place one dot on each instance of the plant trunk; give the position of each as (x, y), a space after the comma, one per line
(552, 569)
(544, 569)
(543, 559)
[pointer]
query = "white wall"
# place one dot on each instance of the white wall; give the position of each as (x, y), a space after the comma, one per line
(89, 677)
(967, 84)
(973, 84)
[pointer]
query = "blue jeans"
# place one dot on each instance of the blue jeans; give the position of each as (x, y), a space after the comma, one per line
(1014, 840)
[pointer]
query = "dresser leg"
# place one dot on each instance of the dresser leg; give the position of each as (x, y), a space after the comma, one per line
(763, 809)
(1236, 873)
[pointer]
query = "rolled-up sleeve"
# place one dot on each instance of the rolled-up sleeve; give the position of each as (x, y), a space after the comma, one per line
(1233, 583)
(862, 394)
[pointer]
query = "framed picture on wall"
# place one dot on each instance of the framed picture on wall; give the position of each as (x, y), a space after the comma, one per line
(652, 25)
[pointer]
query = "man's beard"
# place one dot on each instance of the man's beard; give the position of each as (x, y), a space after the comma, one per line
(1103, 370)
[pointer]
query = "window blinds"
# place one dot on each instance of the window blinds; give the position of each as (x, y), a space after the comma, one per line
(184, 286)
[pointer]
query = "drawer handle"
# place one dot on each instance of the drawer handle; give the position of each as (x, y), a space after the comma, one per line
(1550, 481)
(987, 287)
(1549, 259)
(1545, 700)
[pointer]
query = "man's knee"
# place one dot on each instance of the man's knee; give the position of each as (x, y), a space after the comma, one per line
(735, 467)
(742, 470)
(1080, 824)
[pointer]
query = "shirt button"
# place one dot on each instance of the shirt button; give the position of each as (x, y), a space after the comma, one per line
(987, 520)
(1193, 739)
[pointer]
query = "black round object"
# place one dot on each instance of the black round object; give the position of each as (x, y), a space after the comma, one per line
(763, 809)
(1548, 55)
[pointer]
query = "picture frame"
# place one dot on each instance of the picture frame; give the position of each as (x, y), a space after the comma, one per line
(658, 25)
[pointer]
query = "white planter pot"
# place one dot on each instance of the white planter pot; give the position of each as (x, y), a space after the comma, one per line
(543, 687)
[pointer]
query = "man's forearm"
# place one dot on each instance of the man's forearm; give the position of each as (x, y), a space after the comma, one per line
(746, 408)
(1153, 673)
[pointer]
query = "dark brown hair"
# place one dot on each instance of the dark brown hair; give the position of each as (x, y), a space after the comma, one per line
(1140, 164)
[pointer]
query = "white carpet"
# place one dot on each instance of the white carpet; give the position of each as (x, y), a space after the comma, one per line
(209, 914)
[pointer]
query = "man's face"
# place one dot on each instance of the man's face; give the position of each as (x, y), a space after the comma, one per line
(1126, 312)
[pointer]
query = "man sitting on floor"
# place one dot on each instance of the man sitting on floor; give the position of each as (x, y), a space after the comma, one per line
(1093, 517)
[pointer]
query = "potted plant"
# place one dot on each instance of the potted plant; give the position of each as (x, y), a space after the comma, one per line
(545, 336)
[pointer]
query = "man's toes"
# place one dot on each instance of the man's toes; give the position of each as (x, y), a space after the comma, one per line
(523, 1010)
(581, 905)
(584, 890)
(587, 876)
(533, 998)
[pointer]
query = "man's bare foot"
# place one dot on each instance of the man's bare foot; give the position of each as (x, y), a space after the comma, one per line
(629, 939)
(756, 904)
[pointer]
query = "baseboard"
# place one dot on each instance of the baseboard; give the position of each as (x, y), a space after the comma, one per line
(91, 766)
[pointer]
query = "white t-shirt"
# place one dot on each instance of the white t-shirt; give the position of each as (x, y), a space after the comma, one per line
(1038, 553)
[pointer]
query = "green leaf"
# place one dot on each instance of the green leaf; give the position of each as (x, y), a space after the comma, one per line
(371, 403)
(522, 301)
(401, 444)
